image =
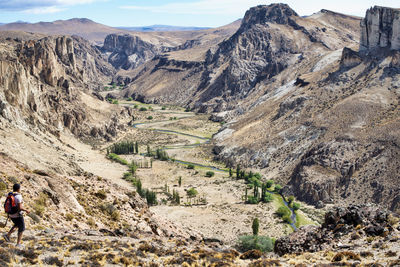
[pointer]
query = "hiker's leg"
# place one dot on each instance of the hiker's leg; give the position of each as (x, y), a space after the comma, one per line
(21, 229)
(19, 237)
(12, 230)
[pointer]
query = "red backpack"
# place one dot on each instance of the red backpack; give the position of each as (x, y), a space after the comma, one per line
(10, 207)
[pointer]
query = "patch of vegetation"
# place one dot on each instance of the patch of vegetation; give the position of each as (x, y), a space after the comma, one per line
(163, 108)
(210, 174)
(39, 205)
(3, 186)
(190, 167)
(115, 102)
(250, 242)
(143, 109)
(124, 148)
(192, 192)
(69, 216)
(101, 194)
(150, 117)
(130, 99)
(162, 155)
(118, 159)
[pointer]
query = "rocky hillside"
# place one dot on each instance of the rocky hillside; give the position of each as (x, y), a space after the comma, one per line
(269, 40)
(331, 134)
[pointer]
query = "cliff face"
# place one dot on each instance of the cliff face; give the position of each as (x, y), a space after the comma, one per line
(128, 52)
(381, 28)
(42, 81)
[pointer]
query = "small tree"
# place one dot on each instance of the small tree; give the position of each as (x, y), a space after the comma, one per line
(190, 166)
(255, 226)
(296, 206)
(230, 172)
(191, 193)
(277, 188)
(180, 181)
(210, 174)
(238, 172)
(270, 183)
(136, 147)
(290, 199)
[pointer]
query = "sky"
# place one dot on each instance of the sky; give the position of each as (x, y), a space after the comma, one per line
(202, 13)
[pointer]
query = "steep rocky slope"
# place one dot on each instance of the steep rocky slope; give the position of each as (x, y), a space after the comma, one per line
(330, 134)
(269, 40)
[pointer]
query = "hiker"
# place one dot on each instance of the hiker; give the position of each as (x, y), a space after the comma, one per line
(15, 214)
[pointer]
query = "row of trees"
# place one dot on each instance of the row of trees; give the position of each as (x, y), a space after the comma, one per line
(124, 148)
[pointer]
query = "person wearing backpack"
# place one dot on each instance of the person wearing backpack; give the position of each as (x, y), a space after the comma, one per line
(13, 207)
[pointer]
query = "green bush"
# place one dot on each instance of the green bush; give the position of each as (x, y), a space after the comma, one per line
(143, 109)
(192, 192)
(296, 206)
(268, 197)
(116, 158)
(252, 200)
(101, 194)
(130, 99)
(115, 102)
(190, 167)
(151, 198)
(287, 219)
(290, 199)
(210, 174)
(269, 183)
(283, 211)
(262, 243)
(277, 188)
(135, 106)
(162, 155)
(150, 117)
(164, 108)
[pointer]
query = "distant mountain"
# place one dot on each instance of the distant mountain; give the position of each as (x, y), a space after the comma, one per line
(83, 27)
(162, 28)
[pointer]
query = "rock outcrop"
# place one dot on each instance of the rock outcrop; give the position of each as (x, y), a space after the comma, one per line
(42, 81)
(354, 220)
(128, 51)
(381, 28)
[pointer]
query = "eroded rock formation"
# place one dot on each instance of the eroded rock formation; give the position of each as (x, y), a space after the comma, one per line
(381, 28)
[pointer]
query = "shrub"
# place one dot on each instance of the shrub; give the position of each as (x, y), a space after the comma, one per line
(268, 197)
(210, 174)
(164, 108)
(190, 167)
(180, 181)
(143, 109)
(150, 117)
(282, 211)
(262, 243)
(39, 205)
(115, 102)
(151, 198)
(91, 222)
(116, 158)
(296, 206)
(3, 186)
(115, 215)
(255, 226)
(277, 188)
(192, 192)
(287, 219)
(269, 183)
(101, 194)
(130, 99)
(135, 106)
(162, 155)
(252, 200)
(290, 199)
(69, 216)
(106, 88)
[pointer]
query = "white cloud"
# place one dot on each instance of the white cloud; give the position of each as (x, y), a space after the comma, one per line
(202, 7)
(44, 10)
(41, 6)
